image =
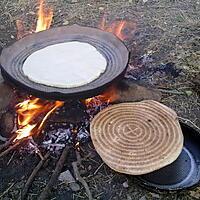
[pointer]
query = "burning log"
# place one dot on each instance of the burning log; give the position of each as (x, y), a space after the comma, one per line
(54, 177)
(32, 176)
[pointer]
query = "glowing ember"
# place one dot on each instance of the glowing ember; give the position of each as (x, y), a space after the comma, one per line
(109, 96)
(45, 16)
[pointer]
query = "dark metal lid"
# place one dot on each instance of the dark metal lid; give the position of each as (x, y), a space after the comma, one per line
(181, 174)
(115, 52)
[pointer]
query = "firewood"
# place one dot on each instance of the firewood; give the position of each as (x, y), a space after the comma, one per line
(16, 144)
(32, 176)
(81, 179)
(6, 144)
(54, 177)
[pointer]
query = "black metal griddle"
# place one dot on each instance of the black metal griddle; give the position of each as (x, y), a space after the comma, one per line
(115, 52)
(183, 173)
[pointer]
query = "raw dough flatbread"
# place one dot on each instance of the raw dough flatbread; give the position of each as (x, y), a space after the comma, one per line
(65, 65)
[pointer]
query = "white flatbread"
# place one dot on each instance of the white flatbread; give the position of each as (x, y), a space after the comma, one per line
(65, 65)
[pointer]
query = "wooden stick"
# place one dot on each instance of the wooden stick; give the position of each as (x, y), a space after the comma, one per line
(7, 190)
(170, 91)
(32, 176)
(81, 180)
(7, 143)
(44, 195)
(16, 144)
(187, 120)
(79, 177)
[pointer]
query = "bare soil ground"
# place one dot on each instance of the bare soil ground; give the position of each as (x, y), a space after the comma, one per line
(165, 53)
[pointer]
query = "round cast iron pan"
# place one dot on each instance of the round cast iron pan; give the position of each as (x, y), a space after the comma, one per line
(115, 52)
(182, 174)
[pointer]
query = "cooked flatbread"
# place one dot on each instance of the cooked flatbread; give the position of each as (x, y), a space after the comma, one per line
(65, 65)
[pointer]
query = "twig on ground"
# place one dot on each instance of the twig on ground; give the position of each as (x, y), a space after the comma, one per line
(11, 158)
(98, 168)
(7, 190)
(187, 120)
(32, 176)
(170, 91)
(54, 177)
(78, 157)
(81, 179)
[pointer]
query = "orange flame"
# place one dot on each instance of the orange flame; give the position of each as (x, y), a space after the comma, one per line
(109, 96)
(45, 16)
(29, 113)
(32, 113)
(118, 27)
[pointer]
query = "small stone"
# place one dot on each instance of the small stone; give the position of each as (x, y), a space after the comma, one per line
(101, 8)
(31, 13)
(125, 184)
(65, 22)
(130, 91)
(89, 167)
(154, 195)
(66, 177)
(143, 198)
(188, 92)
(12, 37)
(74, 187)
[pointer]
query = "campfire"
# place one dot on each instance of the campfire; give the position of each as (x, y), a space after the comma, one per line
(57, 108)
(33, 113)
